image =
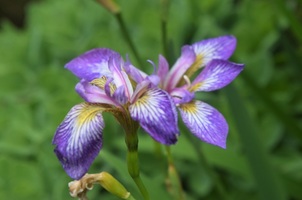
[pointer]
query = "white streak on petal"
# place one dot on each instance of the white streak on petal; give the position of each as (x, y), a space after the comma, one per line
(79, 138)
(157, 115)
(205, 122)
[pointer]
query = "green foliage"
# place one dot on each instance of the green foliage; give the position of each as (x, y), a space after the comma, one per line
(36, 92)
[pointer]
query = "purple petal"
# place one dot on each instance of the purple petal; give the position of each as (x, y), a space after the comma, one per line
(205, 122)
(180, 67)
(133, 72)
(91, 65)
(120, 77)
(157, 115)
(79, 138)
(215, 48)
(140, 89)
(163, 68)
(154, 79)
(181, 95)
(120, 95)
(216, 75)
(92, 93)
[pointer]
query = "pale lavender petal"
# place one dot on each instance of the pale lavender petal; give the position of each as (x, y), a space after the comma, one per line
(216, 75)
(205, 122)
(181, 95)
(79, 138)
(120, 95)
(120, 77)
(179, 68)
(214, 48)
(157, 115)
(154, 79)
(91, 65)
(133, 72)
(163, 68)
(92, 93)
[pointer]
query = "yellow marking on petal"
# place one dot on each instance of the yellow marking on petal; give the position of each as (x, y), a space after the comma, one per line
(195, 87)
(189, 107)
(89, 111)
(142, 100)
(193, 68)
(100, 82)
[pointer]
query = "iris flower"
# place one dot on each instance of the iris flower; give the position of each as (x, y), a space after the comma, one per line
(107, 85)
(204, 121)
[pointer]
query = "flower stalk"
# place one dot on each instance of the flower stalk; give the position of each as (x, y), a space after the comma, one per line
(110, 5)
(164, 11)
(173, 181)
(132, 163)
(127, 37)
(79, 188)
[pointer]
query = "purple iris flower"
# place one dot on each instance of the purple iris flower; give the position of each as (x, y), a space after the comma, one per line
(107, 85)
(204, 121)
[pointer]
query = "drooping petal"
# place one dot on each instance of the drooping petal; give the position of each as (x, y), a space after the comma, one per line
(91, 65)
(120, 77)
(79, 138)
(215, 48)
(157, 115)
(163, 68)
(205, 122)
(92, 93)
(207, 50)
(216, 75)
(180, 67)
(181, 95)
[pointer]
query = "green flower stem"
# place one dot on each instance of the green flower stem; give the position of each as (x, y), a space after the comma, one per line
(173, 177)
(132, 163)
(164, 5)
(127, 37)
(130, 197)
(160, 157)
(219, 187)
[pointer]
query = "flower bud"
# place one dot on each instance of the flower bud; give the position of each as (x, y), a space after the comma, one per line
(110, 6)
(79, 188)
(113, 186)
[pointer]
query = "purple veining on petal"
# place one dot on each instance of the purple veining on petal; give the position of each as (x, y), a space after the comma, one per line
(92, 94)
(116, 63)
(157, 115)
(179, 68)
(140, 89)
(205, 122)
(79, 139)
(120, 95)
(181, 95)
(163, 68)
(217, 74)
(91, 65)
(215, 48)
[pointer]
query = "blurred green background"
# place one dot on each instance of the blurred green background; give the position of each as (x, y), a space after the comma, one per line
(263, 106)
